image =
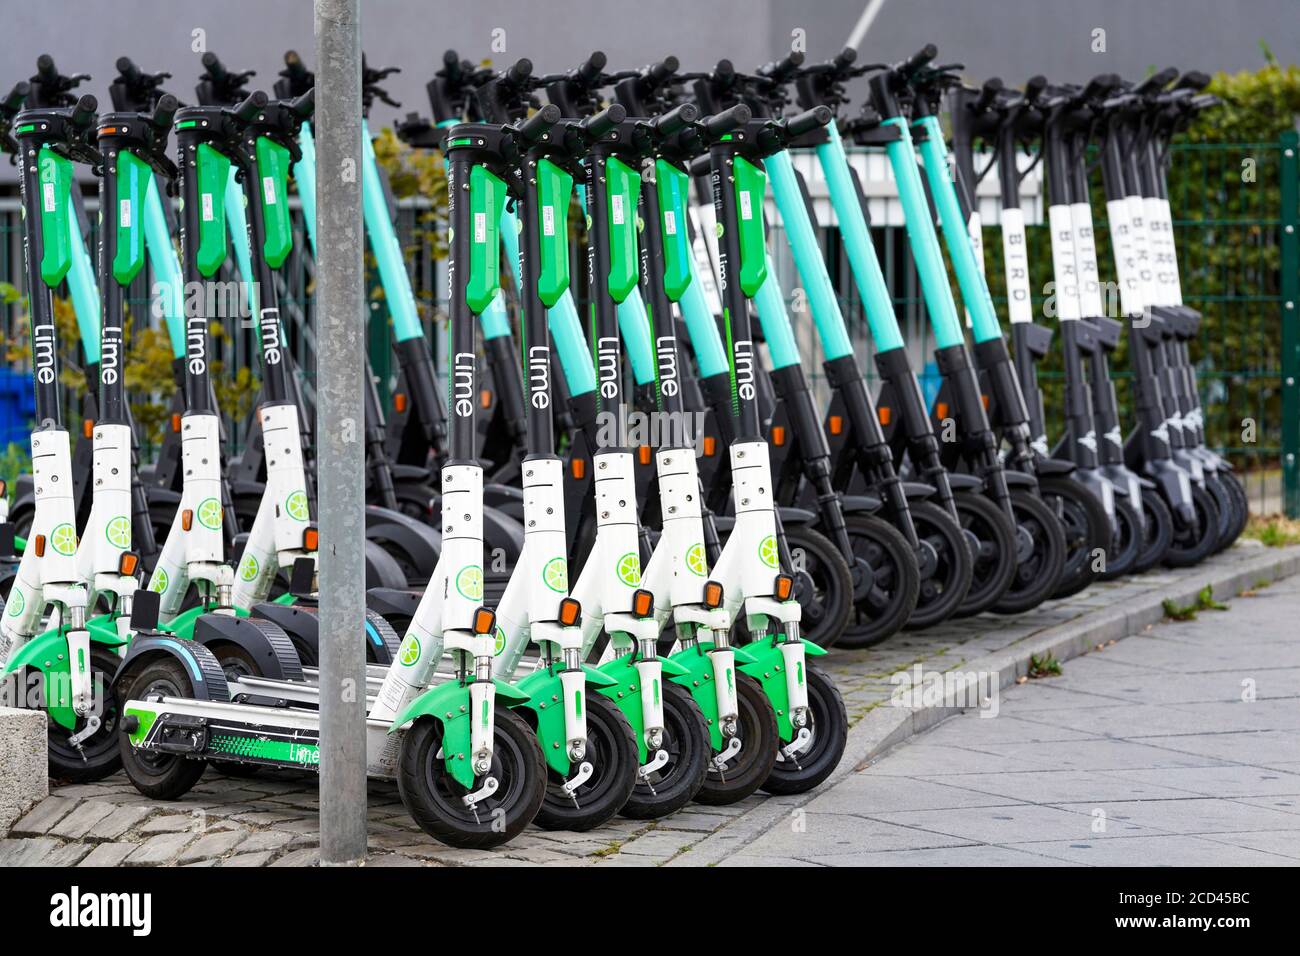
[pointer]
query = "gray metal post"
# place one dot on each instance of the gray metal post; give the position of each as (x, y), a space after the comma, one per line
(340, 457)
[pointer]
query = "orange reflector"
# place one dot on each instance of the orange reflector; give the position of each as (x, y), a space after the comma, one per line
(40, 545)
(176, 423)
(710, 446)
(941, 410)
(108, 131)
(311, 539)
(485, 398)
(87, 427)
(778, 435)
(712, 594)
(837, 424)
(570, 611)
(485, 621)
(643, 603)
(187, 519)
(985, 400)
(127, 563)
(783, 587)
(643, 453)
(399, 402)
(885, 414)
(579, 468)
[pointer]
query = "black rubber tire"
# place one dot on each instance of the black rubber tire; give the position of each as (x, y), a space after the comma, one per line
(823, 585)
(757, 732)
(611, 749)
(382, 569)
(897, 582)
(943, 591)
(235, 661)
(994, 562)
(1195, 543)
(1087, 531)
(158, 776)
(1226, 502)
(1125, 542)
(1159, 531)
(433, 798)
(829, 723)
(1238, 493)
(678, 782)
(100, 756)
(1037, 576)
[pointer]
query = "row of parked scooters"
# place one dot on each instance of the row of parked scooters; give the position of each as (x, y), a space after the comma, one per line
(725, 528)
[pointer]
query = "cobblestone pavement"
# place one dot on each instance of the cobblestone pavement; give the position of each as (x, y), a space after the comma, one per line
(270, 819)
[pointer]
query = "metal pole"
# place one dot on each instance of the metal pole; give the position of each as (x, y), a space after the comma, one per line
(1290, 243)
(340, 459)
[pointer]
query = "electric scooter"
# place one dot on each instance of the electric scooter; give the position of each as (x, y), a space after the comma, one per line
(469, 768)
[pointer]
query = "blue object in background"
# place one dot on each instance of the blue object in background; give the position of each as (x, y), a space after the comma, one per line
(17, 408)
(930, 382)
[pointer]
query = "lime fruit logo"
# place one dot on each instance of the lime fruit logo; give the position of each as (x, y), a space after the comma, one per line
(410, 652)
(767, 551)
(629, 569)
(158, 583)
(64, 539)
(556, 575)
(209, 512)
(296, 506)
(118, 532)
(470, 582)
(717, 227)
(16, 603)
(695, 560)
(499, 644)
(248, 568)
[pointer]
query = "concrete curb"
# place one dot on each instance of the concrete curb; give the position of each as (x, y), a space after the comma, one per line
(887, 726)
(24, 774)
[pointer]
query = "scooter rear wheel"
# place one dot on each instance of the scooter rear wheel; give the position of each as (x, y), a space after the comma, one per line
(944, 588)
(893, 593)
(1195, 542)
(435, 800)
(611, 751)
(829, 723)
(1126, 541)
(756, 728)
(1159, 533)
(1087, 531)
(676, 783)
(1038, 574)
(98, 757)
(157, 775)
(993, 550)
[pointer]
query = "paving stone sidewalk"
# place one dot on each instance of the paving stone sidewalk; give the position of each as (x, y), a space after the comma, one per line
(271, 820)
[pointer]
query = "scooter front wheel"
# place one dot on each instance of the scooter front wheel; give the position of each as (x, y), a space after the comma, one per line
(436, 801)
(828, 722)
(896, 581)
(992, 541)
(686, 741)
(158, 775)
(1226, 502)
(752, 765)
(946, 565)
(611, 751)
(1159, 531)
(1194, 542)
(1039, 570)
(823, 585)
(1126, 542)
(98, 756)
(1242, 503)
(1087, 531)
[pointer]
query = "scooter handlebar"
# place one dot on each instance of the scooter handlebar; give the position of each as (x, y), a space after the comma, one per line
(303, 106)
(659, 73)
(917, 61)
(164, 111)
(598, 124)
(1099, 86)
(83, 114)
(517, 74)
(675, 120)
(808, 121)
(294, 68)
(250, 107)
(783, 68)
(1156, 82)
(540, 123)
(1194, 80)
(46, 69)
(214, 67)
(590, 69)
(14, 101)
(988, 93)
(128, 70)
(1034, 87)
(720, 124)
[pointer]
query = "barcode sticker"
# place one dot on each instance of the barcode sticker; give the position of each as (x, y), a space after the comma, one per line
(124, 213)
(746, 207)
(616, 203)
(268, 190)
(48, 190)
(548, 220)
(480, 227)
(670, 223)
(207, 207)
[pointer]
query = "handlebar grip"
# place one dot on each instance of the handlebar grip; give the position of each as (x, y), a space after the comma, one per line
(83, 114)
(917, 60)
(783, 67)
(45, 68)
(601, 123)
(676, 119)
(1194, 80)
(725, 70)
(165, 111)
(659, 73)
(808, 121)
(293, 65)
(251, 106)
(214, 66)
(129, 71)
(988, 93)
(591, 68)
(14, 101)
(1100, 85)
(517, 74)
(305, 104)
(540, 123)
(1034, 87)
(722, 123)
(845, 58)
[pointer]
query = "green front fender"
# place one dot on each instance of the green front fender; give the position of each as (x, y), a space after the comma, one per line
(698, 679)
(767, 666)
(449, 705)
(546, 701)
(48, 653)
(625, 692)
